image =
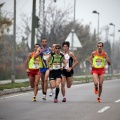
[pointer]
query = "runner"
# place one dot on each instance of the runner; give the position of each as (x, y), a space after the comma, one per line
(97, 61)
(44, 69)
(68, 70)
(54, 63)
(52, 51)
(32, 68)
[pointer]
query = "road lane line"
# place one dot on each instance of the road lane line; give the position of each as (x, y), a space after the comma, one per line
(11, 96)
(103, 109)
(117, 101)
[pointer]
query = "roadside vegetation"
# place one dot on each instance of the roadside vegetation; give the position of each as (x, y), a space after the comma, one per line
(85, 79)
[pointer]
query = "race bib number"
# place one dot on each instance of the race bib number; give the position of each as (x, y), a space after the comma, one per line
(56, 66)
(98, 64)
(35, 66)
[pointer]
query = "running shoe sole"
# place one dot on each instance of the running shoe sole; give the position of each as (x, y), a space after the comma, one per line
(98, 100)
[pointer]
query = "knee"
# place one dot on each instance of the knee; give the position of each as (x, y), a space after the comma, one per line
(100, 85)
(36, 84)
(63, 84)
(96, 84)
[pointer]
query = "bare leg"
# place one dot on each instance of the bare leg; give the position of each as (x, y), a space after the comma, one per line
(46, 81)
(95, 79)
(100, 84)
(32, 79)
(69, 82)
(42, 81)
(37, 79)
(63, 85)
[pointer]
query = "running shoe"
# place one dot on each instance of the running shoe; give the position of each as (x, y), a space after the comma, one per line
(64, 100)
(96, 90)
(55, 100)
(44, 97)
(34, 99)
(51, 93)
(98, 99)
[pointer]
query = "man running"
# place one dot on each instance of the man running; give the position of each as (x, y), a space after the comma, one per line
(56, 62)
(52, 51)
(97, 61)
(44, 69)
(68, 70)
(32, 68)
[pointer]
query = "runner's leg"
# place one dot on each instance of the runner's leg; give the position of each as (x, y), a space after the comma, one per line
(46, 81)
(63, 85)
(101, 79)
(37, 79)
(42, 75)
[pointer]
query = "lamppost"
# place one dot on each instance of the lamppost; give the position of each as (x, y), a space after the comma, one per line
(112, 47)
(98, 23)
(73, 29)
(113, 33)
(119, 53)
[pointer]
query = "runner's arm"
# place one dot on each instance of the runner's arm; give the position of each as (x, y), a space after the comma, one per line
(47, 61)
(27, 61)
(64, 62)
(74, 59)
(90, 59)
(37, 53)
(107, 59)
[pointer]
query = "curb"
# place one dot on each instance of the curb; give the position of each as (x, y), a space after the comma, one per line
(24, 89)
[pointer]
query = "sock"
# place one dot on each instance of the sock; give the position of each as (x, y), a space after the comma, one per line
(56, 93)
(44, 93)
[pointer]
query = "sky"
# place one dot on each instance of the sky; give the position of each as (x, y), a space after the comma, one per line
(109, 12)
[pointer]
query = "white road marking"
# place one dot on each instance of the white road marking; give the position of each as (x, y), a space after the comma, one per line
(117, 101)
(11, 96)
(103, 109)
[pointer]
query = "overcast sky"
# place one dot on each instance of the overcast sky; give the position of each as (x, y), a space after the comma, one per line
(109, 11)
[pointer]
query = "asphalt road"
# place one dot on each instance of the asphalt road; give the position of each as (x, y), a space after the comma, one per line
(81, 104)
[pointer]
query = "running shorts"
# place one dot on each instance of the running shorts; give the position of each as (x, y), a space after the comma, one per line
(55, 74)
(33, 72)
(43, 70)
(67, 74)
(98, 71)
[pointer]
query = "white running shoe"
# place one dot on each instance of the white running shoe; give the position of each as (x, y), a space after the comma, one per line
(44, 97)
(51, 93)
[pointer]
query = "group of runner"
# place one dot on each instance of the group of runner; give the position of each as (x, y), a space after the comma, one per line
(55, 65)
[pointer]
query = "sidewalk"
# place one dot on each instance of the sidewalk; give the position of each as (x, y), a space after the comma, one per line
(24, 89)
(17, 81)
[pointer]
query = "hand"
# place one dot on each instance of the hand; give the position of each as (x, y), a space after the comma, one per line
(69, 69)
(92, 66)
(61, 68)
(27, 70)
(50, 69)
(109, 63)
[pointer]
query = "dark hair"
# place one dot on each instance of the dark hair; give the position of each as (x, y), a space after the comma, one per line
(36, 44)
(100, 43)
(43, 39)
(57, 46)
(66, 43)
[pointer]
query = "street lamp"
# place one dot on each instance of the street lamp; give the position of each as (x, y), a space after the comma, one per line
(98, 22)
(113, 32)
(73, 29)
(112, 47)
(119, 53)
